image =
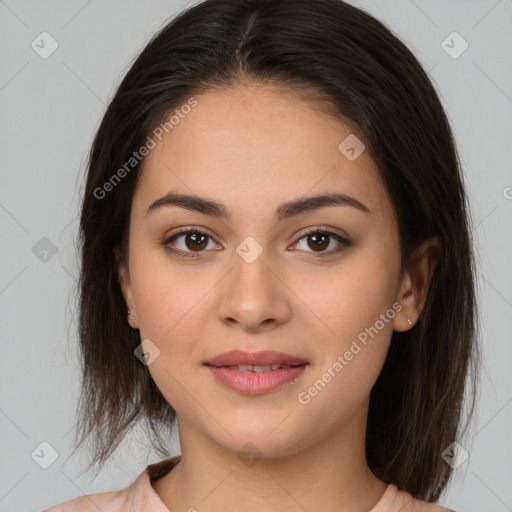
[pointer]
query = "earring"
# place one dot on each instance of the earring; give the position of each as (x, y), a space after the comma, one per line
(409, 320)
(130, 315)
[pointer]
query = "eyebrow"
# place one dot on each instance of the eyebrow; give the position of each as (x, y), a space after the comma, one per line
(284, 210)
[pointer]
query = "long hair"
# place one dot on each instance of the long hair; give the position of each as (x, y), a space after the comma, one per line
(353, 67)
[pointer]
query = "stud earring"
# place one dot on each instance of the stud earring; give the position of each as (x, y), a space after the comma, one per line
(130, 315)
(408, 319)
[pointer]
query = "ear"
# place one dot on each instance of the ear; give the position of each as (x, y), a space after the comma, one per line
(416, 282)
(126, 289)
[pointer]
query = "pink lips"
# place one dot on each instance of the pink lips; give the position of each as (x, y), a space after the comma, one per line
(233, 370)
(236, 357)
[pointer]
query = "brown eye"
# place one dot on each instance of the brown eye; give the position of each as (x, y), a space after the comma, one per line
(320, 241)
(196, 241)
(187, 242)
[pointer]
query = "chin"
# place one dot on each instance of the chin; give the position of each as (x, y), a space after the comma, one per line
(267, 436)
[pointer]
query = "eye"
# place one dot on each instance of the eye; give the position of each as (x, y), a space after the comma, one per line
(320, 240)
(194, 241)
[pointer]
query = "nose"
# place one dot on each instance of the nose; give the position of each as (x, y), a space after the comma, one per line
(253, 296)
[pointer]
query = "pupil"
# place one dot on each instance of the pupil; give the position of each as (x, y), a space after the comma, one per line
(319, 244)
(195, 237)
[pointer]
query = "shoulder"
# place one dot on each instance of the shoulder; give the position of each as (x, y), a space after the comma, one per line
(395, 500)
(138, 497)
(410, 504)
(106, 501)
(89, 503)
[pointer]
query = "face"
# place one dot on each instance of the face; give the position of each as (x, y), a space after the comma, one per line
(318, 282)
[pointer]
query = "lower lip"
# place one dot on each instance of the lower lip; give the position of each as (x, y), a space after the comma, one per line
(252, 383)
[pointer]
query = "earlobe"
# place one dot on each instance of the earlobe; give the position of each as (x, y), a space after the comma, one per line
(405, 318)
(416, 283)
(126, 290)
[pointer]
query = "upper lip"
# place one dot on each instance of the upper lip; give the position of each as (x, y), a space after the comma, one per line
(262, 358)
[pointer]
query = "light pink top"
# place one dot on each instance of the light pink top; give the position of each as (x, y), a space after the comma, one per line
(141, 497)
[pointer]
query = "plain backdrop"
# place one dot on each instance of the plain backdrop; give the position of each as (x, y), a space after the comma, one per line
(50, 108)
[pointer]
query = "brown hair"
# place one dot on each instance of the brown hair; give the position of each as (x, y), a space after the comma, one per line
(340, 56)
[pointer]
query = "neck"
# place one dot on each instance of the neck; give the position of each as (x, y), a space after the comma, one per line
(329, 475)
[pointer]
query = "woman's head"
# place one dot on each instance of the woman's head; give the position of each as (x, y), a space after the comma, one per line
(250, 105)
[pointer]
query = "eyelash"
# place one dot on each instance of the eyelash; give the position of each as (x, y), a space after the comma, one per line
(192, 255)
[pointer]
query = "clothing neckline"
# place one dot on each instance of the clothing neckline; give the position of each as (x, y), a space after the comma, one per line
(159, 469)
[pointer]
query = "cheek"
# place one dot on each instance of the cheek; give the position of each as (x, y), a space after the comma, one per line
(167, 296)
(351, 360)
(353, 308)
(345, 300)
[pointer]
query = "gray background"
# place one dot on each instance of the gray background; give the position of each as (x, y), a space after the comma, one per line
(50, 110)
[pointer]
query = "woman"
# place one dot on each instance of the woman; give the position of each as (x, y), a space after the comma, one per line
(276, 253)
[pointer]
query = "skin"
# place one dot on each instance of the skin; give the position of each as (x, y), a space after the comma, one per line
(253, 148)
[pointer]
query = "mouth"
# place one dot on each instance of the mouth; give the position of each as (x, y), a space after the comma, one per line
(255, 373)
(262, 359)
(258, 368)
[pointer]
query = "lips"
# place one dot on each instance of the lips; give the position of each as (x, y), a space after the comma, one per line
(255, 373)
(257, 368)
(256, 360)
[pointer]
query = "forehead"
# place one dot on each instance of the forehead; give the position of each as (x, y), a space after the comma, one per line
(255, 147)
